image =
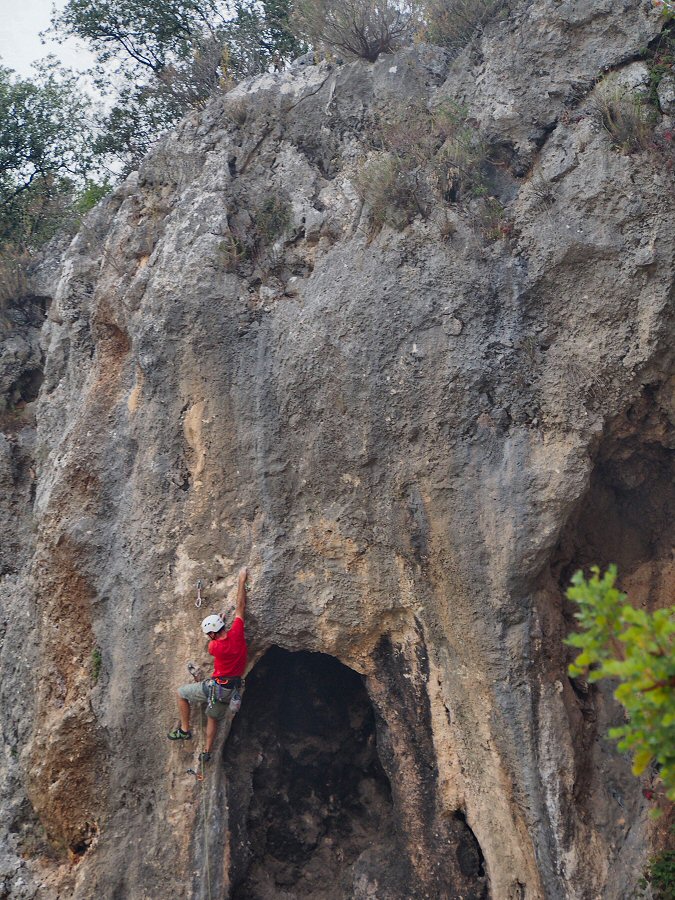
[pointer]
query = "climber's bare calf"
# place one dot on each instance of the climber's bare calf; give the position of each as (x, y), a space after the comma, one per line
(184, 710)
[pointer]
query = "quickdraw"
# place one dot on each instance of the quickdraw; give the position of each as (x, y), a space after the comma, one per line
(195, 671)
(218, 693)
(198, 775)
(198, 601)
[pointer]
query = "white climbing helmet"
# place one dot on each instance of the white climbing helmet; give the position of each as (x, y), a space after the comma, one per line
(212, 623)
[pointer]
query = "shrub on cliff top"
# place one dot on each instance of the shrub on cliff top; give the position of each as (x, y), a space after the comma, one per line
(154, 61)
(451, 23)
(366, 28)
(358, 28)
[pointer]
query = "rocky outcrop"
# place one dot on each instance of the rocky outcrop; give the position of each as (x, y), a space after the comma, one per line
(21, 367)
(413, 437)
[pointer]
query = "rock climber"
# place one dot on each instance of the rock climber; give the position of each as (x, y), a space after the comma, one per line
(228, 648)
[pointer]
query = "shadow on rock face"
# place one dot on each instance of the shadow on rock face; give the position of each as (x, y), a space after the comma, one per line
(310, 805)
(625, 518)
(626, 515)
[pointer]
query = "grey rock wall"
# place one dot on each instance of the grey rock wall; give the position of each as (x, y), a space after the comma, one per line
(412, 437)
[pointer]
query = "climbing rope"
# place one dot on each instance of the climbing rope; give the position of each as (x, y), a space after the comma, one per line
(205, 817)
(199, 775)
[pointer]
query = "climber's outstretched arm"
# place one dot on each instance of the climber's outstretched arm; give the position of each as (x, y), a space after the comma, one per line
(241, 593)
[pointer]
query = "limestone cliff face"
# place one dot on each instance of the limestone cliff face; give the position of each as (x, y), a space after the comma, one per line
(413, 438)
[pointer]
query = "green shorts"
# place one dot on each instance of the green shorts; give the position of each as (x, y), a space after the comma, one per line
(198, 692)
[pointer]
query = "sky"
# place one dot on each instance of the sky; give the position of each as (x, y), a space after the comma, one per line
(21, 22)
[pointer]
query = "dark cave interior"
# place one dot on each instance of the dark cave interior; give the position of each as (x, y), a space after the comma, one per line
(626, 515)
(309, 802)
(625, 518)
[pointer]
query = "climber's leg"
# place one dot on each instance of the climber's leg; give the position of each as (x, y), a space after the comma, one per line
(187, 693)
(214, 714)
(184, 711)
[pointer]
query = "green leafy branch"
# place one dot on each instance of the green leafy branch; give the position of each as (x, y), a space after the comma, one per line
(637, 648)
(665, 7)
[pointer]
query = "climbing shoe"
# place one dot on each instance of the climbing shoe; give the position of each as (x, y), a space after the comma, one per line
(204, 757)
(179, 735)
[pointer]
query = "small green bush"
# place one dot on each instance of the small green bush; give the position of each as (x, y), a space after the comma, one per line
(233, 253)
(388, 190)
(440, 137)
(425, 157)
(250, 241)
(460, 163)
(663, 61)
(271, 219)
(660, 877)
(492, 220)
(90, 195)
(96, 664)
(637, 648)
(624, 115)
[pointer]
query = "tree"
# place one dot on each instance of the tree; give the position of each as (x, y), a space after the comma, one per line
(135, 34)
(257, 33)
(156, 61)
(129, 130)
(637, 648)
(45, 153)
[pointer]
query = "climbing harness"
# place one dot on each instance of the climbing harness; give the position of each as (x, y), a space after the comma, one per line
(198, 601)
(221, 690)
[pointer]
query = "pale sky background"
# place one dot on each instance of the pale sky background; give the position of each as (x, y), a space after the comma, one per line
(21, 22)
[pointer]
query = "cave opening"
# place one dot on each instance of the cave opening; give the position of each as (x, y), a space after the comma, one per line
(310, 805)
(27, 387)
(626, 516)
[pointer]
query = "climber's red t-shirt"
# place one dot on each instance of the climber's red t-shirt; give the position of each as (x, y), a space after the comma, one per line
(230, 652)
